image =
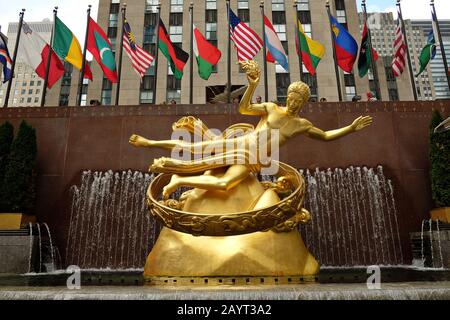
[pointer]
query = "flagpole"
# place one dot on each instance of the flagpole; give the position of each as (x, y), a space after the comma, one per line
(229, 55)
(441, 43)
(266, 86)
(411, 72)
(191, 75)
(336, 68)
(49, 59)
(83, 66)
(16, 48)
(299, 54)
(372, 60)
(155, 77)
(119, 70)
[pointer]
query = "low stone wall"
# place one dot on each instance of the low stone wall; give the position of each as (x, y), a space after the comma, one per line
(71, 140)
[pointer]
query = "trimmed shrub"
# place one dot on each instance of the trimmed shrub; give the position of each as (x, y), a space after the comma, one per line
(6, 139)
(440, 163)
(20, 178)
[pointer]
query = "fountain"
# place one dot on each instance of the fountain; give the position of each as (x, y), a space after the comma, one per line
(109, 224)
(111, 206)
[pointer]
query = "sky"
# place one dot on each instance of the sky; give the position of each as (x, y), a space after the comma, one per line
(72, 12)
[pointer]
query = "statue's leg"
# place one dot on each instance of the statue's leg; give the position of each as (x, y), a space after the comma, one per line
(232, 177)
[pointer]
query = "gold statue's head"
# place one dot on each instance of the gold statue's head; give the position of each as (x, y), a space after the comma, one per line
(297, 95)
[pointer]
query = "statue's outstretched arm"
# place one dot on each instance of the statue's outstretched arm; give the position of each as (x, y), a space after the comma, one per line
(253, 75)
(357, 125)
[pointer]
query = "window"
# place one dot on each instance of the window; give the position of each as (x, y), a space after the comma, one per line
(63, 100)
(211, 16)
(303, 5)
(176, 19)
(278, 17)
(30, 91)
(350, 93)
(340, 13)
(176, 6)
(283, 82)
(151, 6)
(174, 95)
(277, 5)
(243, 11)
(106, 97)
(146, 96)
(173, 89)
(211, 31)
(393, 95)
(176, 34)
(211, 4)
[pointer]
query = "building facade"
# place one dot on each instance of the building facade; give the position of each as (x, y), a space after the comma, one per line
(383, 27)
(439, 74)
(26, 90)
(211, 19)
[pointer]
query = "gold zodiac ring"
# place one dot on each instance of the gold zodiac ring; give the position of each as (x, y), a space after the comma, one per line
(286, 214)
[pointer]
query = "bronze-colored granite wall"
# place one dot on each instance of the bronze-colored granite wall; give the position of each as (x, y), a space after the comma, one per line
(71, 140)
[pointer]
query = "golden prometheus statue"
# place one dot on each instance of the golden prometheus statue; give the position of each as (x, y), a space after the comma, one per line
(229, 224)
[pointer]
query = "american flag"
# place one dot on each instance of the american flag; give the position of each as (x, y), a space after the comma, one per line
(140, 59)
(246, 41)
(399, 63)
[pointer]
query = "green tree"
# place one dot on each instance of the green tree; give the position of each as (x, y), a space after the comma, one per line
(6, 138)
(440, 163)
(19, 180)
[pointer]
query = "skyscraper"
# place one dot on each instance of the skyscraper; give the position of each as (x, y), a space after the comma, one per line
(439, 77)
(26, 90)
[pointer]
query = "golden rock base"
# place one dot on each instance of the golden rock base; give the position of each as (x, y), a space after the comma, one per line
(259, 254)
(14, 221)
(441, 214)
(264, 254)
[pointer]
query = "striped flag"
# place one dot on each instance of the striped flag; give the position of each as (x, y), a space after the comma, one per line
(140, 59)
(399, 63)
(246, 41)
(5, 59)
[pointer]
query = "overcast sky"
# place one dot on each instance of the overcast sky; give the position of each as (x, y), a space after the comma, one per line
(72, 12)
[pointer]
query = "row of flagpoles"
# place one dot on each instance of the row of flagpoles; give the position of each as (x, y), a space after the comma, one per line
(45, 58)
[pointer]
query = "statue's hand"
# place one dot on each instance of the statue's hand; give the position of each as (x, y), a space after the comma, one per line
(253, 71)
(361, 123)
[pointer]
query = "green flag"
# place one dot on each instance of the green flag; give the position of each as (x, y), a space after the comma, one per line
(428, 53)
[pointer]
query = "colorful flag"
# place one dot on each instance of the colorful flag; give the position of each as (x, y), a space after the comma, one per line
(176, 56)
(311, 51)
(100, 47)
(206, 54)
(5, 59)
(399, 63)
(246, 41)
(428, 53)
(275, 50)
(346, 46)
(366, 56)
(140, 59)
(34, 52)
(67, 47)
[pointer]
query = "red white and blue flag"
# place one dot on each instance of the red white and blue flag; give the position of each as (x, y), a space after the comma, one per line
(246, 41)
(400, 53)
(5, 59)
(275, 50)
(140, 59)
